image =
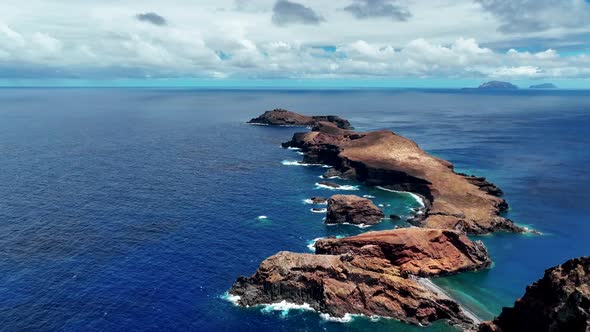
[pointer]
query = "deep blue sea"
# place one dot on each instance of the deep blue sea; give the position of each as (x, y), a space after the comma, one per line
(136, 209)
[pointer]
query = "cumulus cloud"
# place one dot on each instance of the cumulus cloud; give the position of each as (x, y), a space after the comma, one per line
(286, 12)
(364, 9)
(152, 18)
(237, 39)
(533, 16)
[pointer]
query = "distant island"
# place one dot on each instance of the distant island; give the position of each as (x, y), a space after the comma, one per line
(543, 86)
(498, 85)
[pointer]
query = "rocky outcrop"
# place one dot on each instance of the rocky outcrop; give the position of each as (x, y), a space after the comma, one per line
(319, 200)
(560, 301)
(281, 117)
(341, 284)
(352, 209)
(383, 158)
(498, 85)
(416, 251)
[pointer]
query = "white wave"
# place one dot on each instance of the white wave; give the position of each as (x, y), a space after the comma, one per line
(307, 201)
(347, 318)
(311, 244)
(380, 205)
(231, 298)
(298, 163)
(418, 198)
(284, 307)
(319, 211)
(368, 196)
(340, 187)
(293, 148)
(300, 153)
(262, 217)
(349, 224)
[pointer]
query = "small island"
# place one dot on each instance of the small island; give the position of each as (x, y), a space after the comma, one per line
(498, 85)
(543, 86)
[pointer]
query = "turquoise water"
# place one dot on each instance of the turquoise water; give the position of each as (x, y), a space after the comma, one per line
(136, 209)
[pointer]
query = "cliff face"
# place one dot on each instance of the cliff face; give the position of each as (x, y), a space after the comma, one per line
(420, 252)
(281, 117)
(370, 274)
(383, 158)
(560, 301)
(353, 210)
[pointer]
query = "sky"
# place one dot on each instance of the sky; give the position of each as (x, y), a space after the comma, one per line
(412, 42)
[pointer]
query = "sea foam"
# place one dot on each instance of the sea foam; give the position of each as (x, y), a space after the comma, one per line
(418, 198)
(340, 187)
(319, 211)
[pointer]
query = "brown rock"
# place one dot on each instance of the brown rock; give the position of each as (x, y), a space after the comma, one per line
(416, 251)
(353, 210)
(281, 117)
(329, 184)
(342, 284)
(319, 200)
(383, 158)
(560, 301)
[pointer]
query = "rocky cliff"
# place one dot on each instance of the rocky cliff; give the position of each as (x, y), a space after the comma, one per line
(383, 158)
(372, 274)
(560, 301)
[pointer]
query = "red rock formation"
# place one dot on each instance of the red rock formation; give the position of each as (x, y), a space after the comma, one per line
(420, 252)
(383, 158)
(352, 209)
(560, 301)
(280, 117)
(341, 284)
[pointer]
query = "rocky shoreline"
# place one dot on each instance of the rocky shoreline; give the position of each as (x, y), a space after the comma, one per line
(383, 158)
(382, 273)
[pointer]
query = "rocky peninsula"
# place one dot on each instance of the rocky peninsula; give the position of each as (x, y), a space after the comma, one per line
(381, 273)
(371, 274)
(560, 301)
(383, 158)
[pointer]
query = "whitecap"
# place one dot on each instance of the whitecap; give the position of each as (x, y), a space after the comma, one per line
(381, 205)
(368, 196)
(347, 318)
(307, 201)
(293, 148)
(340, 187)
(349, 224)
(416, 197)
(262, 217)
(299, 163)
(284, 307)
(319, 211)
(311, 244)
(231, 298)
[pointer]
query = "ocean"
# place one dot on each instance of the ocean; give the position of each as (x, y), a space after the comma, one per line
(136, 209)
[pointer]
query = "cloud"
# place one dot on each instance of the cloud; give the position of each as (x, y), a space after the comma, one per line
(518, 16)
(286, 12)
(152, 18)
(364, 9)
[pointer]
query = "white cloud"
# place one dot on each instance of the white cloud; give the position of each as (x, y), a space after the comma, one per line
(227, 38)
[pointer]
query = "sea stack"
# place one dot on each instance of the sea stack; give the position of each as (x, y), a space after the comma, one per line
(352, 209)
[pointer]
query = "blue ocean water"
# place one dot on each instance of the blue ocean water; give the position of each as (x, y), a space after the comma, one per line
(136, 209)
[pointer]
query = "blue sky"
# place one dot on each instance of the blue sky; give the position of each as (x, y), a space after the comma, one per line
(340, 43)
